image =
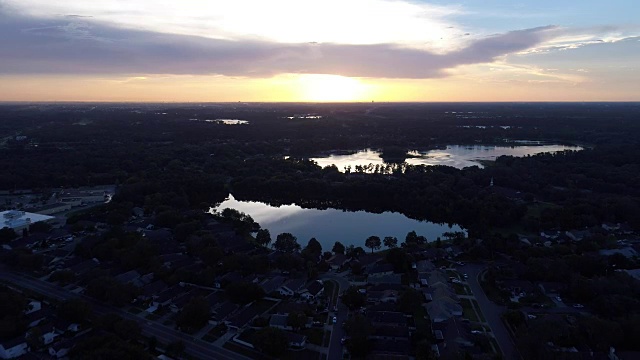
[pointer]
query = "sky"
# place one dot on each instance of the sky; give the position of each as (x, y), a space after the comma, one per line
(319, 50)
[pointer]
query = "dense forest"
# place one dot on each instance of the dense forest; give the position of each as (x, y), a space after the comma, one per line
(171, 153)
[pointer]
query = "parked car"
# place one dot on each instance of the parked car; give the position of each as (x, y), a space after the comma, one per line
(335, 319)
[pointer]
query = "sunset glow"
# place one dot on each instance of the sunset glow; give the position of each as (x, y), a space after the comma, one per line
(380, 50)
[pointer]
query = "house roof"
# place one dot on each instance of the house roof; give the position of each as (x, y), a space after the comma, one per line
(272, 284)
(391, 347)
(295, 284)
(225, 310)
(160, 235)
(397, 331)
(10, 343)
(295, 338)
(442, 310)
(424, 266)
(315, 287)
(385, 279)
(338, 259)
(278, 320)
(381, 268)
(154, 288)
(127, 277)
(387, 317)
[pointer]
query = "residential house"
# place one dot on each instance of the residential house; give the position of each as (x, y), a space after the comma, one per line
(313, 290)
(578, 235)
(127, 277)
(280, 321)
(272, 284)
(385, 279)
(291, 287)
(296, 340)
(392, 318)
(387, 296)
(390, 349)
(391, 332)
(60, 349)
(443, 309)
(337, 261)
(49, 334)
(381, 269)
(33, 306)
(13, 348)
(223, 311)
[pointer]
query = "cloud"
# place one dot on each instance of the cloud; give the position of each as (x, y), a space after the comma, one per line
(65, 46)
(285, 21)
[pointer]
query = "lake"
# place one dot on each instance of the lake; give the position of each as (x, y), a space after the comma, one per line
(458, 156)
(331, 225)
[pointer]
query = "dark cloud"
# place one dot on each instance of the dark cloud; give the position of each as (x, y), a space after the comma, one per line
(76, 46)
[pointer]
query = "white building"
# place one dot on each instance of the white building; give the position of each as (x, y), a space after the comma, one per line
(18, 220)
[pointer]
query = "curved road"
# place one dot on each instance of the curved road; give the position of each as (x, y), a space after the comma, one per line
(337, 333)
(491, 312)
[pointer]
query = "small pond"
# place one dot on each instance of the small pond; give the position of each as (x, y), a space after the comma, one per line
(331, 225)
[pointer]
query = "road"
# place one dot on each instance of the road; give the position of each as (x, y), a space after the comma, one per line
(195, 348)
(337, 333)
(491, 312)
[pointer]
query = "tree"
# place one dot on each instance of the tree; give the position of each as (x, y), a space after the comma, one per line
(271, 341)
(7, 234)
(297, 320)
(74, 310)
(390, 241)
(286, 242)
(244, 292)
(354, 252)
(411, 237)
(338, 248)
(34, 338)
(40, 227)
(359, 330)
(194, 315)
(176, 348)
(263, 237)
(353, 299)
(314, 246)
(153, 343)
(373, 243)
(399, 258)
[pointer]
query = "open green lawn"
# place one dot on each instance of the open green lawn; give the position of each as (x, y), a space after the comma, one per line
(460, 289)
(329, 288)
(467, 310)
(314, 335)
(475, 303)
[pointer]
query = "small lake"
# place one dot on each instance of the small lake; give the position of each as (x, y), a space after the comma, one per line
(458, 156)
(331, 225)
(224, 121)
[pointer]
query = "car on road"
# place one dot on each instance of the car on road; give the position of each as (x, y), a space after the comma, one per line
(476, 332)
(466, 276)
(335, 320)
(578, 306)
(558, 298)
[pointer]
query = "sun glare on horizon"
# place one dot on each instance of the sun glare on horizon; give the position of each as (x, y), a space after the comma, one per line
(327, 88)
